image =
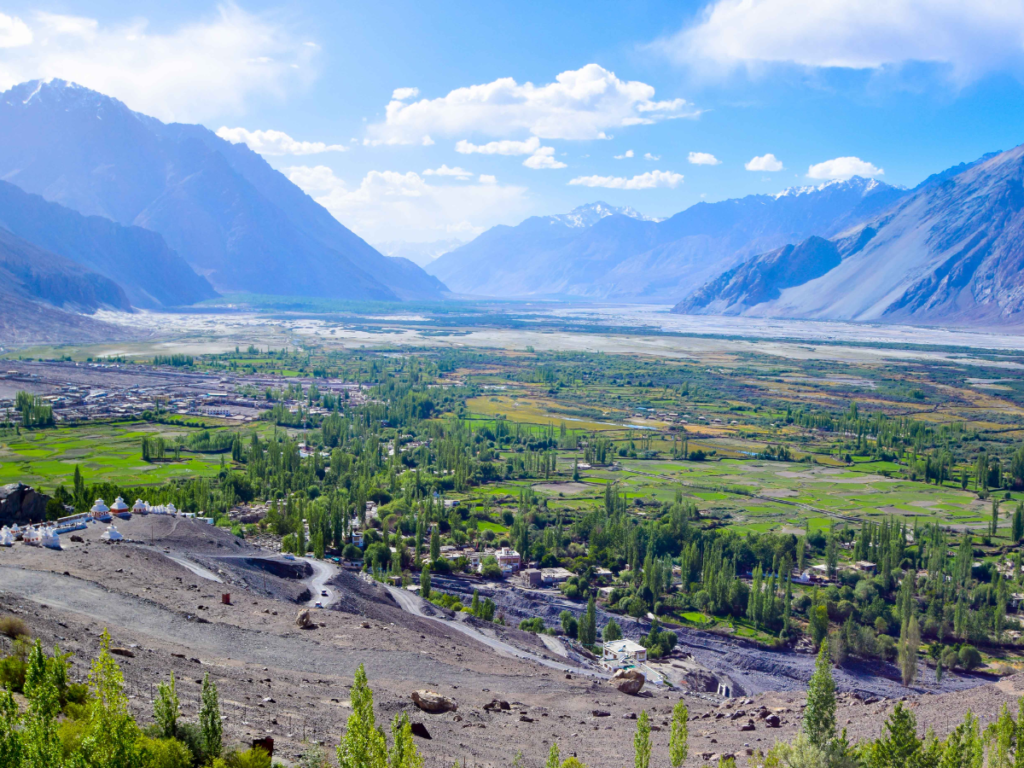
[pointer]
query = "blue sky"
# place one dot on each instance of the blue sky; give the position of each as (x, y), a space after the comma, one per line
(693, 90)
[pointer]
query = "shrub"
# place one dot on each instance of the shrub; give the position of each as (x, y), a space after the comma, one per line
(536, 624)
(13, 627)
(165, 753)
(250, 758)
(970, 658)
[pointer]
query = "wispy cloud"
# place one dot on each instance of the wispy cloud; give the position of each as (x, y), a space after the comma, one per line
(844, 168)
(648, 180)
(763, 163)
(273, 143)
(703, 158)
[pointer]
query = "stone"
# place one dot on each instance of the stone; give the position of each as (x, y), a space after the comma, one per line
(629, 681)
(601, 713)
(434, 703)
(772, 721)
(497, 705)
(747, 726)
(21, 504)
(304, 620)
(419, 729)
(123, 652)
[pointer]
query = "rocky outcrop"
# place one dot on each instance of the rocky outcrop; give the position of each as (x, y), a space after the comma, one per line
(629, 681)
(304, 620)
(434, 703)
(21, 504)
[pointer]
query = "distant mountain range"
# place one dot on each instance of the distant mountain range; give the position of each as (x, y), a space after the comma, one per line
(420, 254)
(600, 252)
(42, 295)
(235, 220)
(137, 259)
(949, 252)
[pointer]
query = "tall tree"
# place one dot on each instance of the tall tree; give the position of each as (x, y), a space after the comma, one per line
(363, 745)
(819, 723)
(209, 718)
(642, 742)
(678, 743)
(165, 709)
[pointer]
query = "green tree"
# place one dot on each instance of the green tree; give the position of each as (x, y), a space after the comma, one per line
(554, 759)
(642, 742)
(910, 641)
(899, 746)
(41, 744)
(819, 721)
(1017, 525)
(963, 747)
(11, 747)
(435, 544)
(425, 582)
(611, 632)
(165, 709)
(403, 752)
(209, 718)
(818, 620)
(112, 735)
(678, 743)
(363, 745)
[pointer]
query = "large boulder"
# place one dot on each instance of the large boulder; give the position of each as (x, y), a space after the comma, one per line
(305, 619)
(434, 703)
(629, 681)
(21, 504)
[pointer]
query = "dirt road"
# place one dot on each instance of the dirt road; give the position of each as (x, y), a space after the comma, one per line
(322, 573)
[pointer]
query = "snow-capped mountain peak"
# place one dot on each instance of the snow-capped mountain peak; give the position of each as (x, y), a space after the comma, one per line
(591, 213)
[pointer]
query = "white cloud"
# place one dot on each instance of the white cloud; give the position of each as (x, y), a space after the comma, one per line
(543, 158)
(703, 158)
(648, 180)
(388, 205)
(844, 168)
(274, 143)
(764, 163)
(14, 32)
(624, 155)
(444, 170)
(504, 147)
(401, 94)
(487, 179)
(580, 104)
(426, 141)
(198, 71)
(970, 37)
(649, 156)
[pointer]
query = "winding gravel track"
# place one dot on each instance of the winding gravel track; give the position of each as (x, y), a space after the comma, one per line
(322, 573)
(411, 603)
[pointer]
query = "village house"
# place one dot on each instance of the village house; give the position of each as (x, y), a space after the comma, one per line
(623, 652)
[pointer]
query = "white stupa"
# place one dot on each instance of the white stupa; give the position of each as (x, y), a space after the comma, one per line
(140, 507)
(100, 511)
(6, 537)
(32, 537)
(120, 509)
(48, 537)
(112, 534)
(171, 509)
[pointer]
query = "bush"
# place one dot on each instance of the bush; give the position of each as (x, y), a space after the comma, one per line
(13, 627)
(490, 568)
(352, 552)
(14, 667)
(535, 625)
(165, 753)
(250, 758)
(970, 658)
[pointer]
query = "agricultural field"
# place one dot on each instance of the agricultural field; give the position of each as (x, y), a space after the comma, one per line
(103, 453)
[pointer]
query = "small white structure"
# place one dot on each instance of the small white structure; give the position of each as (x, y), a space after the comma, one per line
(6, 537)
(112, 534)
(171, 509)
(120, 509)
(140, 507)
(624, 652)
(32, 537)
(48, 537)
(101, 512)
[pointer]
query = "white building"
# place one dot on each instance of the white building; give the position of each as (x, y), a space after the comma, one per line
(120, 509)
(140, 507)
(6, 537)
(112, 534)
(101, 512)
(623, 652)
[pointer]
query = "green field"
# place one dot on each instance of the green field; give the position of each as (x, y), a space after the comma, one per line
(102, 452)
